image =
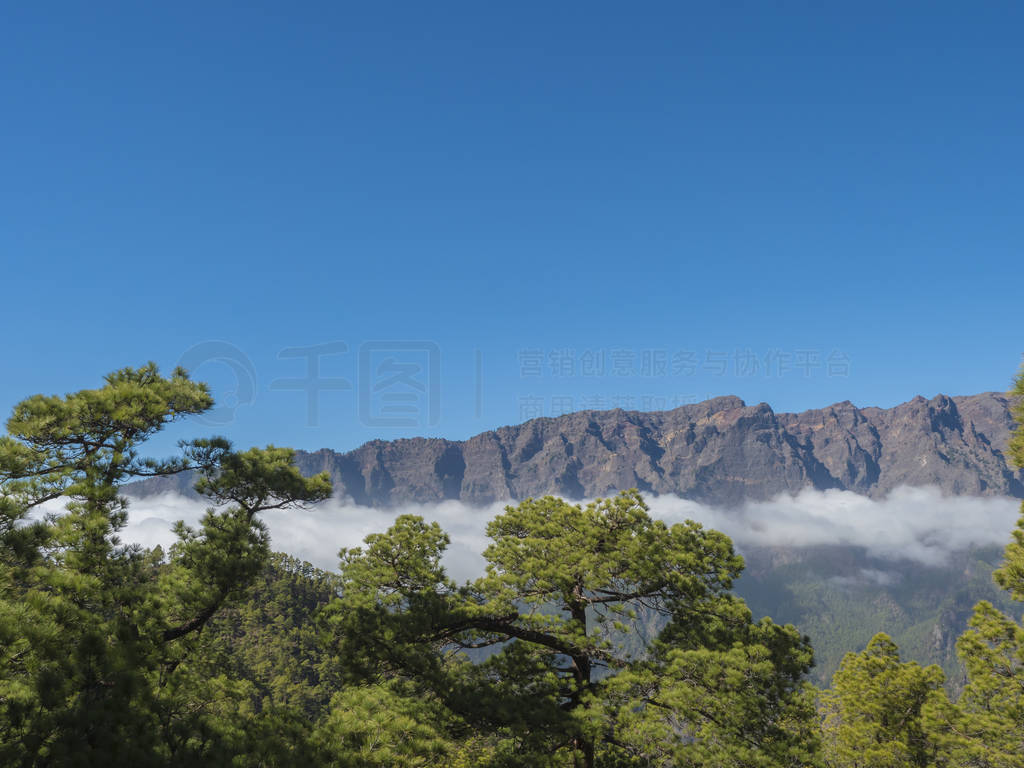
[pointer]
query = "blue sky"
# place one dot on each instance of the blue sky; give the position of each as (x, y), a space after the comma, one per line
(467, 215)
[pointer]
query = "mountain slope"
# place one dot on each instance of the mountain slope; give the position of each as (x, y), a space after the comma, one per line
(841, 596)
(721, 452)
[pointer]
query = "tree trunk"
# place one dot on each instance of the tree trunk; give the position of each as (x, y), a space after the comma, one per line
(584, 757)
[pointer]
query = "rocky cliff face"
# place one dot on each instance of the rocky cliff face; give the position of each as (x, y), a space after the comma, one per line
(721, 451)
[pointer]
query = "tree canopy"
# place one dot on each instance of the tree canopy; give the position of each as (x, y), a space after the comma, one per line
(873, 710)
(594, 636)
(95, 635)
(597, 634)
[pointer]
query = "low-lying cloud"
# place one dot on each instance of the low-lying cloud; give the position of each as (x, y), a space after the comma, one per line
(918, 524)
(915, 524)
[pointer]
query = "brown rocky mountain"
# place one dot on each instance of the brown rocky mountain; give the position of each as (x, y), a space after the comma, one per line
(721, 451)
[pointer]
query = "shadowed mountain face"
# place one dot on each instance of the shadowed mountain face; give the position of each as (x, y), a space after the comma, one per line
(720, 452)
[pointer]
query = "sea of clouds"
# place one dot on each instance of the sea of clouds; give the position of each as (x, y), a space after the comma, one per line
(916, 524)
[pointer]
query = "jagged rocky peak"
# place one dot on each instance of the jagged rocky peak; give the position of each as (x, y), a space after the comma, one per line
(721, 451)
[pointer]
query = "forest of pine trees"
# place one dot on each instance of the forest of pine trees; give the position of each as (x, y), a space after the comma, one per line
(596, 636)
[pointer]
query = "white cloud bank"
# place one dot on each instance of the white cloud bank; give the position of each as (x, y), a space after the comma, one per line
(917, 524)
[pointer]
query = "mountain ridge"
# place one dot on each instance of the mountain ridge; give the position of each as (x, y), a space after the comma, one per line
(720, 451)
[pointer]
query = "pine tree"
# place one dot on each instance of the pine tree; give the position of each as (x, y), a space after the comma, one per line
(873, 710)
(569, 677)
(96, 635)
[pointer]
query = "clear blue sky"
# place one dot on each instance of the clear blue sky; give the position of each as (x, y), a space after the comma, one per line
(505, 212)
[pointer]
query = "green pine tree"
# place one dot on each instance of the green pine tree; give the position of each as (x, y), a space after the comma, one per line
(872, 712)
(568, 678)
(96, 636)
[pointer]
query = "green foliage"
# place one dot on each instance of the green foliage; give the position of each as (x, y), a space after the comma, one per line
(558, 609)
(985, 727)
(596, 635)
(268, 638)
(387, 725)
(1011, 575)
(95, 636)
(1017, 438)
(873, 710)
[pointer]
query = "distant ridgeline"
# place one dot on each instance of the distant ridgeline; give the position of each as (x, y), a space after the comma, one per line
(719, 452)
